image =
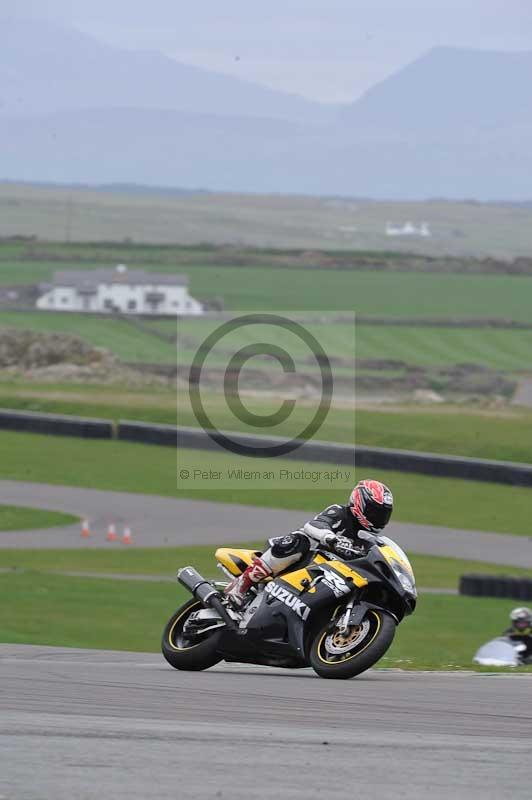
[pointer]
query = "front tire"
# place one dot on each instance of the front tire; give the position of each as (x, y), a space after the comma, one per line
(335, 655)
(189, 654)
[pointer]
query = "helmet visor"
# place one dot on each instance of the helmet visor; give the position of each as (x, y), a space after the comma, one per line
(378, 515)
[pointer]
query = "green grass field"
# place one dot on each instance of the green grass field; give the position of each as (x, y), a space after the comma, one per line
(431, 572)
(508, 350)
(19, 518)
(468, 431)
(408, 295)
(368, 293)
(122, 615)
(152, 470)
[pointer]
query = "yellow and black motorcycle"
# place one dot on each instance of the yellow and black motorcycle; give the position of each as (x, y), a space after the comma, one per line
(335, 614)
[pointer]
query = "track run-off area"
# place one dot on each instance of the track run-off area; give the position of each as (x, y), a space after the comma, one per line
(166, 522)
(87, 724)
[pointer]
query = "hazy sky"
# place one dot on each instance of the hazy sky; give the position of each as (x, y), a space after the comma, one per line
(325, 49)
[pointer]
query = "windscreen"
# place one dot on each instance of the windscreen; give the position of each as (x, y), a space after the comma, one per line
(400, 552)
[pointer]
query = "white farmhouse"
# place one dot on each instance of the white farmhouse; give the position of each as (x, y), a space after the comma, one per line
(119, 290)
(408, 229)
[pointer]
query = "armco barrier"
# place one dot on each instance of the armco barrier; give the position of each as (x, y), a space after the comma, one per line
(55, 424)
(496, 586)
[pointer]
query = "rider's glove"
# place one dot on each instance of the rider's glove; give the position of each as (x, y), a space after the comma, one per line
(343, 546)
(329, 539)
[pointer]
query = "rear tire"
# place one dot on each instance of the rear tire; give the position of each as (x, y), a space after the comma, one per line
(189, 654)
(371, 639)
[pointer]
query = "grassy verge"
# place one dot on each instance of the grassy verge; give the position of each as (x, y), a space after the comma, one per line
(117, 335)
(56, 610)
(152, 470)
(431, 571)
(502, 349)
(445, 632)
(475, 432)
(19, 518)
(498, 349)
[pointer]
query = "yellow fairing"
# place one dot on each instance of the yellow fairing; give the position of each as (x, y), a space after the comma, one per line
(391, 555)
(347, 572)
(295, 578)
(235, 560)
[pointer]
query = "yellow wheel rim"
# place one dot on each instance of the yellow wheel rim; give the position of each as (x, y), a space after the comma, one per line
(170, 639)
(358, 652)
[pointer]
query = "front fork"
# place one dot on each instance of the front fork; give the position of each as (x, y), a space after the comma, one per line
(343, 622)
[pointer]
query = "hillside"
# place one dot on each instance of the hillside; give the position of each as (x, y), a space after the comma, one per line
(447, 93)
(455, 123)
(46, 68)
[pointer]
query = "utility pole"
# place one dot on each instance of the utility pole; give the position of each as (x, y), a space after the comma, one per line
(68, 219)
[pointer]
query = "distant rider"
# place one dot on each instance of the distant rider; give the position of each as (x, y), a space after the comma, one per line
(521, 630)
(336, 528)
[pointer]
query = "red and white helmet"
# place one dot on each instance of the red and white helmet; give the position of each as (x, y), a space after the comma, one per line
(371, 502)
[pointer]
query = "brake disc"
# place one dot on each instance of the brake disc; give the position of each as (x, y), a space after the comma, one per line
(337, 643)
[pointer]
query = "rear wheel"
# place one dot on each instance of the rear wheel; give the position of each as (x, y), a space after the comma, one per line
(344, 655)
(195, 651)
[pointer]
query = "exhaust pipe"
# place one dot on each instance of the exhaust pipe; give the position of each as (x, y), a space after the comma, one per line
(205, 592)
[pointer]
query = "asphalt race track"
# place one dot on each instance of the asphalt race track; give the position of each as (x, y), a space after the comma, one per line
(93, 724)
(96, 724)
(163, 521)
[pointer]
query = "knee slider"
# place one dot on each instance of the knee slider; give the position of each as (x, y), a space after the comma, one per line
(290, 545)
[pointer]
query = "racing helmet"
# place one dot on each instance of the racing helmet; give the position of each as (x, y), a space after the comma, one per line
(371, 503)
(521, 619)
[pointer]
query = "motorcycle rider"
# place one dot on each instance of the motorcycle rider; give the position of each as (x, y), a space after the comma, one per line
(336, 528)
(521, 629)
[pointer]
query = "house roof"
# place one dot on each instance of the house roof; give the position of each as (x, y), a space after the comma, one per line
(85, 278)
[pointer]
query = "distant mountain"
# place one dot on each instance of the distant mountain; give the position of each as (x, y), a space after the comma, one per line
(446, 92)
(155, 147)
(454, 123)
(45, 67)
(257, 155)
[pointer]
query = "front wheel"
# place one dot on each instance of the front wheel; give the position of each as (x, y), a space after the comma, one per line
(189, 652)
(344, 655)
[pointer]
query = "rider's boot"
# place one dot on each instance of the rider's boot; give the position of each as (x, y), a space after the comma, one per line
(238, 588)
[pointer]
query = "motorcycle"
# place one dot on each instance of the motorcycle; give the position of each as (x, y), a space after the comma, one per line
(504, 651)
(336, 613)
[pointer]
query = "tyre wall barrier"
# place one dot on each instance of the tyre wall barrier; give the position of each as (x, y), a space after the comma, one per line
(474, 585)
(442, 466)
(324, 452)
(56, 424)
(339, 454)
(166, 435)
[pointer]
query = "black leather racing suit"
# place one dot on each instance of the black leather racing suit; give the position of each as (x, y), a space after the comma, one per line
(525, 639)
(285, 551)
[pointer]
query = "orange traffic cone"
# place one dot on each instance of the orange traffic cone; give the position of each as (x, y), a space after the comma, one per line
(126, 538)
(85, 530)
(111, 534)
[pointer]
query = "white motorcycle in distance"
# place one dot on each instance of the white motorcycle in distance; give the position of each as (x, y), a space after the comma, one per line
(502, 652)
